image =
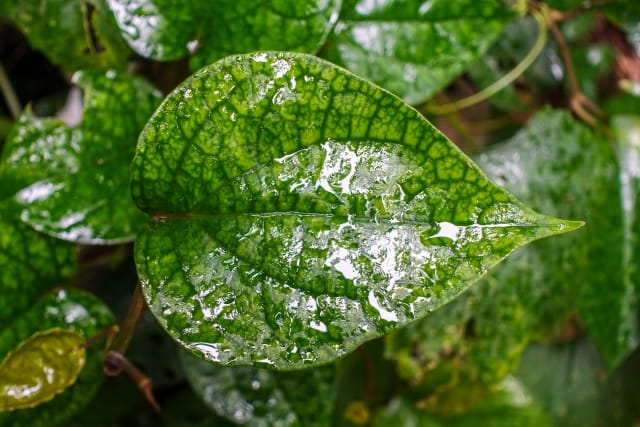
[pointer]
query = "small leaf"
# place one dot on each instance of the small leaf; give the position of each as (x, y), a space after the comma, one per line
(257, 397)
(30, 264)
(40, 368)
(300, 211)
(85, 34)
(415, 48)
(68, 181)
(73, 311)
(165, 30)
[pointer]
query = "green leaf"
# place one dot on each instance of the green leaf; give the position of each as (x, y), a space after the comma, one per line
(30, 264)
(40, 368)
(68, 181)
(560, 166)
(68, 309)
(299, 211)
(511, 405)
(565, 381)
(258, 397)
(74, 34)
(164, 30)
(415, 48)
(626, 129)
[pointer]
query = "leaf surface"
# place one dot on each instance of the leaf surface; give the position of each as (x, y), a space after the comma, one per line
(68, 181)
(161, 29)
(85, 33)
(300, 211)
(261, 398)
(30, 264)
(414, 48)
(40, 368)
(71, 310)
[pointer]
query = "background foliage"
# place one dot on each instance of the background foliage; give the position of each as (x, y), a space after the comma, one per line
(546, 338)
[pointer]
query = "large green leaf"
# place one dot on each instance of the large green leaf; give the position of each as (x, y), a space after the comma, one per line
(68, 181)
(72, 310)
(511, 405)
(40, 368)
(262, 398)
(162, 29)
(299, 211)
(414, 48)
(75, 34)
(30, 264)
(560, 166)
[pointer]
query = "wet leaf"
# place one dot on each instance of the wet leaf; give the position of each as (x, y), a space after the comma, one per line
(262, 398)
(300, 211)
(68, 181)
(560, 166)
(72, 310)
(414, 48)
(40, 368)
(30, 264)
(511, 405)
(86, 35)
(163, 30)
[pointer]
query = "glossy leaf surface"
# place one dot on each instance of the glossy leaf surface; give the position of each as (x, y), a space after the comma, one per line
(162, 29)
(300, 211)
(262, 398)
(511, 405)
(72, 310)
(414, 48)
(560, 166)
(40, 368)
(68, 181)
(30, 264)
(74, 34)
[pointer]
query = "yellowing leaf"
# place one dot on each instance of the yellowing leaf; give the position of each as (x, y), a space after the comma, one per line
(40, 368)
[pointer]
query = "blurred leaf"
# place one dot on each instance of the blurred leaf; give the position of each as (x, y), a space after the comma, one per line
(67, 309)
(39, 368)
(68, 181)
(564, 380)
(627, 132)
(295, 221)
(74, 34)
(414, 48)
(30, 264)
(161, 29)
(511, 405)
(560, 166)
(262, 398)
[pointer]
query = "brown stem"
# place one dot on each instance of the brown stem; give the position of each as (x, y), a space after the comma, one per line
(9, 94)
(579, 103)
(115, 363)
(128, 326)
(580, 10)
